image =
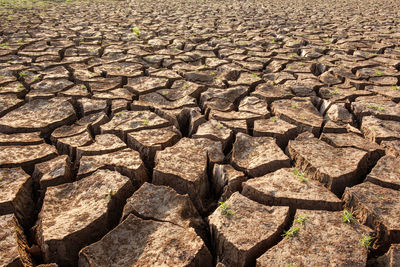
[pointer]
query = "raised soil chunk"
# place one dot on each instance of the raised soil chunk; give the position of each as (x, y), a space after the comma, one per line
(38, 115)
(160, 101)
(255, 105)
(290, 187)
(115, 94)
(148, 142)
(67, 131)
(53, 172)
(221, 99)
(335, 167)
(195, 119)
(237, 115)
(300, 112)
(271, 92)
(145, 243)
(386, 173)
(93, 121)
(48, 89)
(68, 145)
(25, 156)
(88, 106)
(392, 147)
(353, 140)
(9, 103)
(257, 156)
(184, 167)
(336, 112)
(377, 130)
(235, 242)
(16, 197)
(130, 121)
(281, 130)
(391, 258)
(237, 126)
(162, 203)
(126, 161)
(378, 106)
(216, 131)
(320, 238)
(8, 242)
(378, 208)
(391, 92)
(76, 214)
(145, 85)
(21, 139)
(104, 143)
(226, 180)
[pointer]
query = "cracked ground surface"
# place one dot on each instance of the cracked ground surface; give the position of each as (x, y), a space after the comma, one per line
(200, 133)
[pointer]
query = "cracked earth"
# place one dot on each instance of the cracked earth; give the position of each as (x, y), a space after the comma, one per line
(200, 133)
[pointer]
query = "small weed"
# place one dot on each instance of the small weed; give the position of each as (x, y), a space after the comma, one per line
(301, 218)
(348, 217)
(378, 108)
(165, 93)
(379, 73)
(381, 198)
(109, 195)
(225, 209)
(366, 241)
(334, 92)
(373, 54)
(300, 175)
(295, 105)
(373, 128)
(255, 76)
(83, 87)
(118, 68)
(4, 46)
(186, 86)
(212, 73)
(397, 88)
(292, 232)
(302, 64)
(22, 74)
(273, 119)
(145, 122)
(36, 78)
(303, 118)
(219, 126)
(119, 114)
(136, 30)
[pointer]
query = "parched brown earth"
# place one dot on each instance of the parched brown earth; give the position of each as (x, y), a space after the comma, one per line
(200, 133)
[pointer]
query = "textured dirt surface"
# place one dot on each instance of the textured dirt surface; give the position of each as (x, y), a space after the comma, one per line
(322, 239)
(199, 133)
